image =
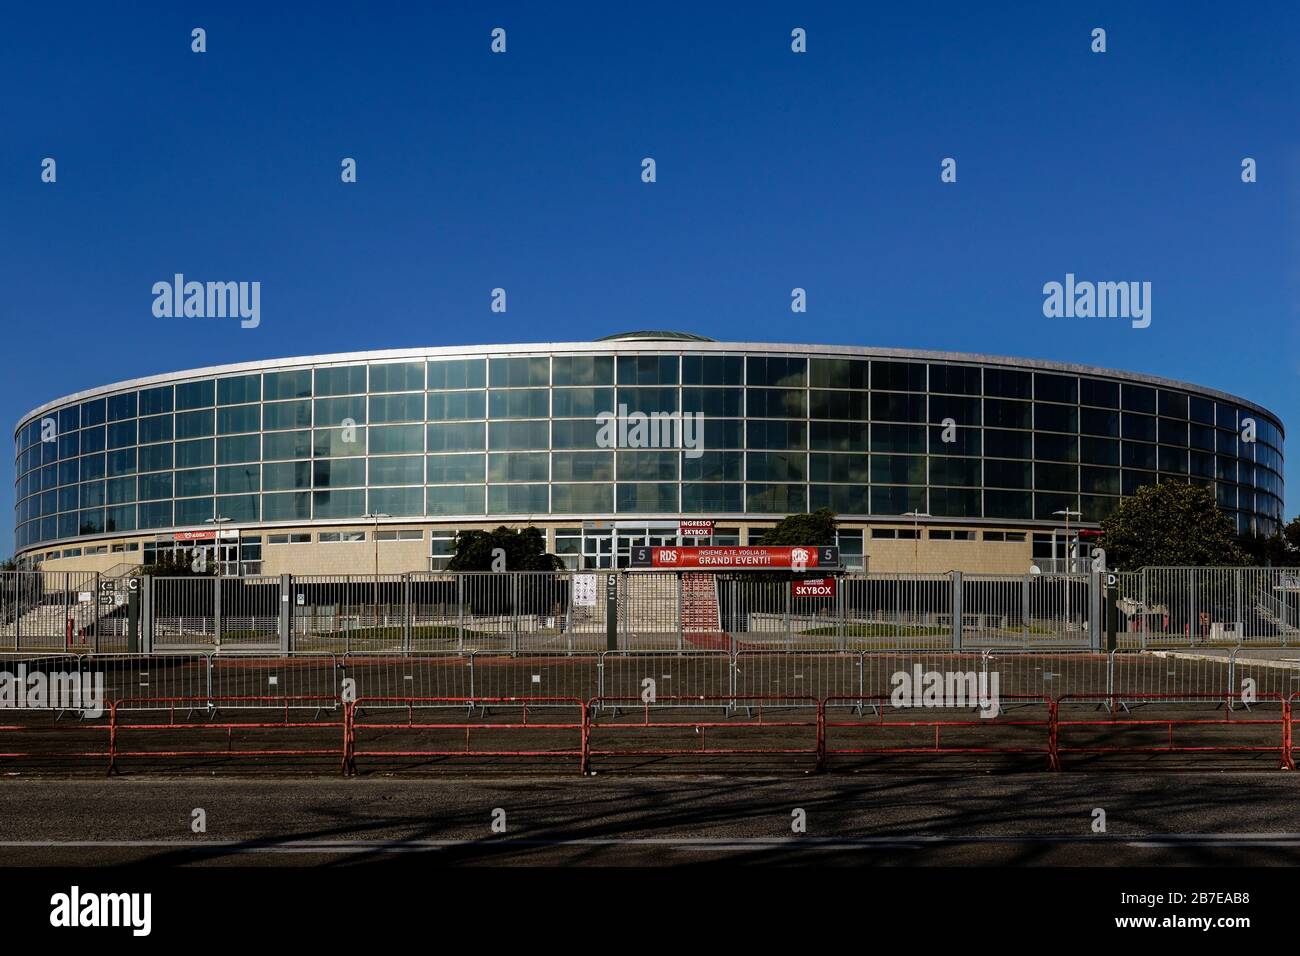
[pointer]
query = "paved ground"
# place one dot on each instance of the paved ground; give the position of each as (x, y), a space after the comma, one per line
(1245, 819)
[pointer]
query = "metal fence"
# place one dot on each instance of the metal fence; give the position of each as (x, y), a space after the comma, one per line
(566, 611)
(689, 678)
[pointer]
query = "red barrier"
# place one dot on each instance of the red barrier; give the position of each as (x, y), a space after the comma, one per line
(1113, 719)
(760, 704)
(352, 725)
(880, 705)
(57, 726)
(117, 727)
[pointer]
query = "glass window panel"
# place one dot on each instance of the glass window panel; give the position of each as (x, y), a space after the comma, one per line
(196, 395)
(954, 471)
(1056, 418)
(886, 500)
(955, 502)
(341, 411)
(517, 436)
(1098, 421)
(582, 499)
(714, 466)
(1172, 432)
(528, 467)
(898, 469)
(897, 438)
(338, 472)
(121, 490)
(582, 402)
(645, 498)
(518, 499)
(961, 441)
(1007, 383)
(195, 510)
(1005, 414)
(121, 434)
(1094, 391)
(156, 487)
(454, 406)
(338, 442)
(1173, 404)
(956, 379)
(519, 372)
(454, 500)
(155, 457)
(775, 434)
(396, 439)
(582, 370)
(1056, 447)
(842, 499)
(714, 402)
(285, 476)
(837, 436)
(648, 400)
(121, 518)
(397, 408)
(94, 412)
(1049, 387)
(284, 385)
(403, 470)
(1138, 398)
(239, 418)
(156, 428)
(398, 377)
(195, 424)
(155, 514)
(190, 454)
(465, 437)
(454, 469)
(1008, 474)
(121, 462)
(1172, 459)
(154, 401)
(343, 380)
(713, 370)
(286, 507)
(339, 504)
(238, 448)
(647, 370)
(121, 406)
(92, 466)
(1140, 427)
(93, 439)
(839, 373)
(848, 406)
(1056, 477)
(239, 389)
(238, 479)
(70, 418)
(458, 373)
(771, 466)
(397, 501)
(519, 403)
(194, 481)
(898, 376)
(774, 403)
(1004, 444)
(1008, 504)
(836, 468)
(280, 415)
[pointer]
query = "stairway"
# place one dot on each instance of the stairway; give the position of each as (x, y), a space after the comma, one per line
(701, 619)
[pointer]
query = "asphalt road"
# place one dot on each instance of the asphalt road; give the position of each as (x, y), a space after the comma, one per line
(1030, 819)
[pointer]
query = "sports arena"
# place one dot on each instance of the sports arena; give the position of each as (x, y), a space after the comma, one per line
(934, 461)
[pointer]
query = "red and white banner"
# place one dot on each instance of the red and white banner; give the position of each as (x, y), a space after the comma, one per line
(194, 536)
(813, 587)
(695, 529)
(736, 558)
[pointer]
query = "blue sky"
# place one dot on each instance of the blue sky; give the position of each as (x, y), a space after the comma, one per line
(775, 170)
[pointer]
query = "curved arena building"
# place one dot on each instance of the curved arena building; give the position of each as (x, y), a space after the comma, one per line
(934, 461)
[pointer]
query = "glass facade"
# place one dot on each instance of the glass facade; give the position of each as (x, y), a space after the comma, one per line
(519, 437)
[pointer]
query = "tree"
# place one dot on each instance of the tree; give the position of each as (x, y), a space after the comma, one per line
(521, 549)
(1170, 524)
(1281, 549)
(171, 564)
(817, 528)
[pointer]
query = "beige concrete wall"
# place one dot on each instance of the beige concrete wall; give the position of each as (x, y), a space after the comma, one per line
(395, 557)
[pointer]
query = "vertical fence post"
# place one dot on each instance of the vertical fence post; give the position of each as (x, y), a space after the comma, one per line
(460, 611)
(406, 612)
(1239, 615)
(1193, 621)
(1026, 608)
(514, 613)
(18, 608)
(286, 607)
(67, 630)
(1095, 605)
(1144, 613)
(146, 613)
(216, 608)
(681, 625)
(95, 618)
(956, 610)
(839, 611)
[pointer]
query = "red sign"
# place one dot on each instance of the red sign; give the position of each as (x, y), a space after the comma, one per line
(194, 536)
(813, 587)
(695, 529)
(735, 558)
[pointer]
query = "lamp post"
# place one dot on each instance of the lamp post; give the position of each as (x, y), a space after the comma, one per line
(376, 515)
(916, 514)
(1067, 513)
